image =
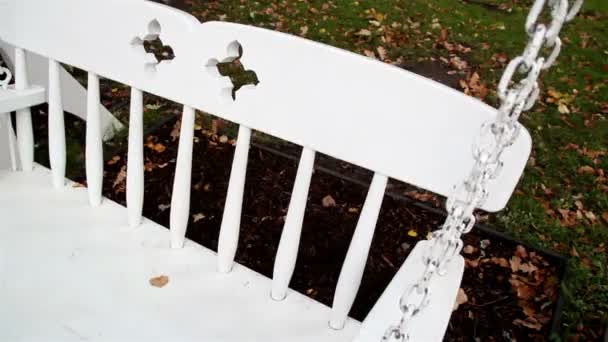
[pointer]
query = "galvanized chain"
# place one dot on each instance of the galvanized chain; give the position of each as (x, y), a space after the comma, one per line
(495, 136)
(4, 82)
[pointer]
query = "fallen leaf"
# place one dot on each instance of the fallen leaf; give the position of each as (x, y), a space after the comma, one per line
(163, 207)
(586, 170)
(158, 147)
(328, 201)
(364, 33)
(412, 233)
(120, 179)
(159, 281)
(528, 324)
(461, 298)
(114, 160)
(521, 252)
(515, 263)
(382, 53)
(223, 139)
(468, 249)
(198, 217)
(502, 262)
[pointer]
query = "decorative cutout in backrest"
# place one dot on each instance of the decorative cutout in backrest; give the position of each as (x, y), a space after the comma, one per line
(232, 68)
(4, 82)
(152, 47)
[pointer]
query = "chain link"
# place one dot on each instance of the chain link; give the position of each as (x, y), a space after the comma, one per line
(495, 136)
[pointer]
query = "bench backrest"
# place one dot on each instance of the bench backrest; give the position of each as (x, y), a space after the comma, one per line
(342, 104)
(360, 110)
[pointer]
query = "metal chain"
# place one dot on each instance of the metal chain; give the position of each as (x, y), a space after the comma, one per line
(495, 136)
(7, 78)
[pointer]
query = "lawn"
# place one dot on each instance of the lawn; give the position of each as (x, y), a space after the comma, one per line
(562, 201)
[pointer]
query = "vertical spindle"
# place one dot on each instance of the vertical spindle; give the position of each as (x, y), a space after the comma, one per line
(94, 147)
(135, 161)
(231, 219)
(57, 153)
(25, 131)
(356, 257)
(287, 253)
(10, 134)
(180, 201)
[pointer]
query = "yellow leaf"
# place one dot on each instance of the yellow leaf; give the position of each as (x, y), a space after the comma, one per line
(412, 233)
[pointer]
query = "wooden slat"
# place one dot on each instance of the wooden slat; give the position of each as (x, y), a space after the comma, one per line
(231, 220)
(94, 147)
(290, 238)
(57, 152)
(25, 131)
(180, 201)
(135, 160)
(356, 257)
(6, 123)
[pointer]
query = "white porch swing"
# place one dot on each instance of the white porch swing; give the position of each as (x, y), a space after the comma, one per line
(75, 266)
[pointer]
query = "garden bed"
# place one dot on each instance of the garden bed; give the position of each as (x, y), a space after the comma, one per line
(512, 289)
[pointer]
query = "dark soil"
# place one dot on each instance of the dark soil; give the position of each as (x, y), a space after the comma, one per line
(512, 290)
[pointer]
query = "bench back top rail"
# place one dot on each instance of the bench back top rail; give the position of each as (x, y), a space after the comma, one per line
(342, 104)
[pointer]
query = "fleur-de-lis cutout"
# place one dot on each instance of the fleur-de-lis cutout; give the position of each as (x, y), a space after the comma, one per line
(233, 68)
(151, 46)
(7, 78)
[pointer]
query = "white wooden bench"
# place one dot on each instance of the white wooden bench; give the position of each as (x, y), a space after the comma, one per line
(75, 266)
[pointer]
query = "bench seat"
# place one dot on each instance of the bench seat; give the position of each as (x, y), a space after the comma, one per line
(69, 271)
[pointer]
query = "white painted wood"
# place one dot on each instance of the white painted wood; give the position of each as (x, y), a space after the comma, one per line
(180, 200)
(73, 94)
(12, 99)
(25, 131)
(135, 160)
(71, 272)
(356, 257)
(57, 152)
(8, 135)
(432, 322)
(430, 127)
(94, 144)
(287, 252)
(12, 142)
(231, 219)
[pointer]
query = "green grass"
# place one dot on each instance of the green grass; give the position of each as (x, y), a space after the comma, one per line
(408, 30)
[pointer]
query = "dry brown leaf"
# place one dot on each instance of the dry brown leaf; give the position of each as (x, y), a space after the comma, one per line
(468, 249)
(198, 217)
(502, 262)
(176, 130)
(521, 252)
(382, 53)
(588, 170)
(515, 263)
(328, 201)
(120, 179)
(158, 147)
(160, 281)
(528, 268)
(114, 160)
(461, 298)
(528, 323)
